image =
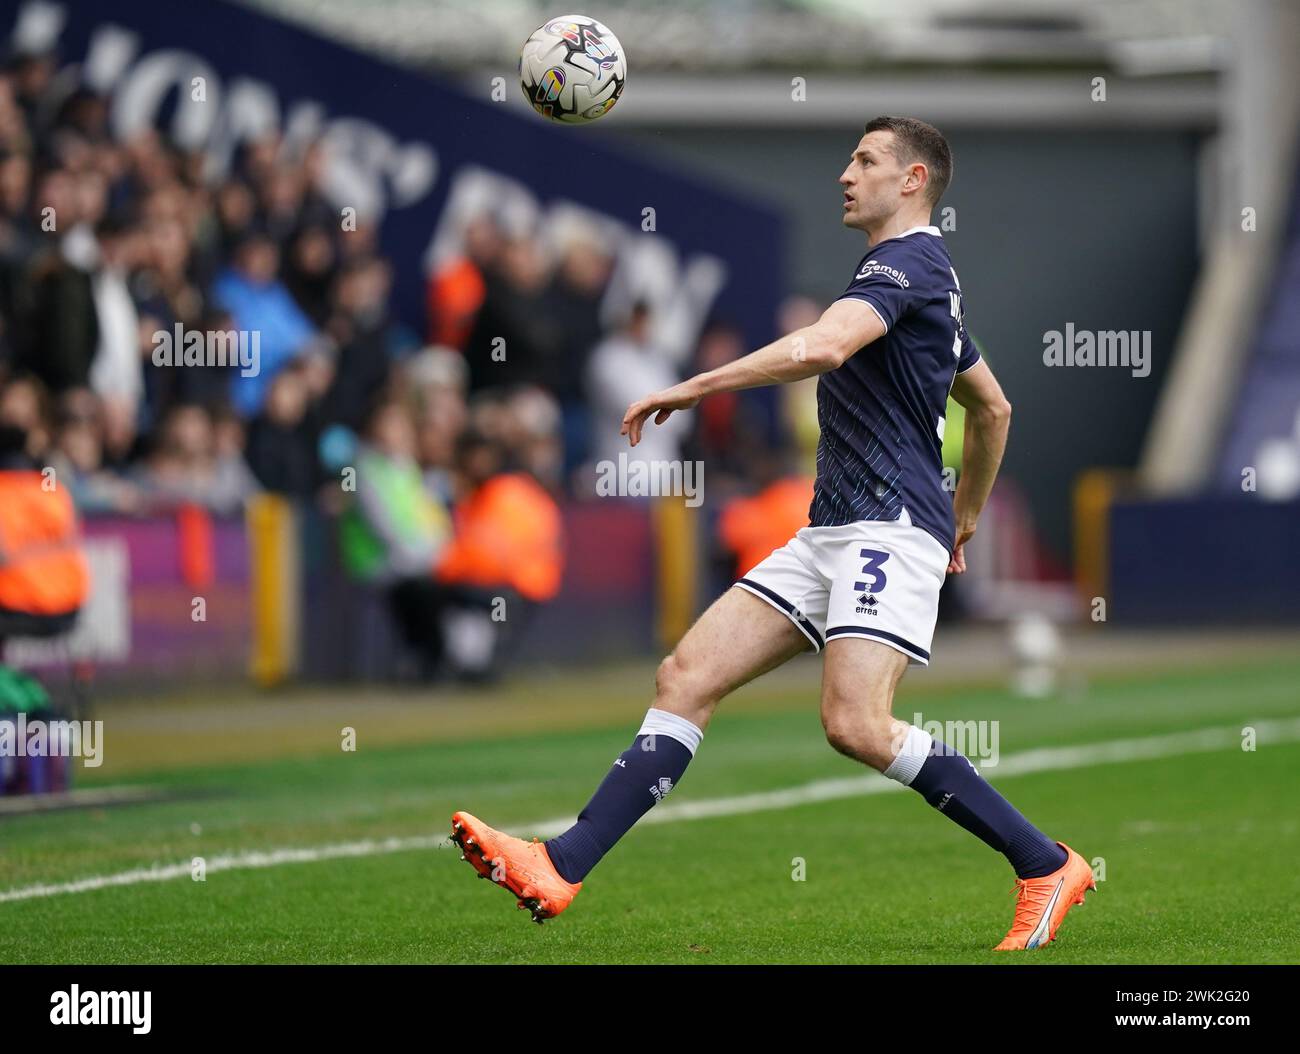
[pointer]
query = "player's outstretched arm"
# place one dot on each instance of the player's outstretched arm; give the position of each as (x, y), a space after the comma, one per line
(844, 328)
(988, 419)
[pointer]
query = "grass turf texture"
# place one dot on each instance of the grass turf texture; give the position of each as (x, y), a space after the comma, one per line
(1199, 849)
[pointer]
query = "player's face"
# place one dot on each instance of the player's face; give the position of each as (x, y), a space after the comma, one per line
(872, 182)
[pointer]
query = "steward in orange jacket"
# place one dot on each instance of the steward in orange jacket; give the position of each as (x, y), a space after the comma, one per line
(43, 574)
(751, 528)
(507, 532)
(507, 529)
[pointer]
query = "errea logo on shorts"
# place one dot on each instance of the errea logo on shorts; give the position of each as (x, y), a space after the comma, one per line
(76, 1007)
(873, 267)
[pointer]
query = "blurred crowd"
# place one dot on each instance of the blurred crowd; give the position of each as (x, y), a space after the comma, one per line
(106, 244)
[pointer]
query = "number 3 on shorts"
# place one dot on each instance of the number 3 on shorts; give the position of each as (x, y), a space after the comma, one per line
(874, 558)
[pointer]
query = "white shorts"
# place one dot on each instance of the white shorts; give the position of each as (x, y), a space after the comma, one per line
(877, 579)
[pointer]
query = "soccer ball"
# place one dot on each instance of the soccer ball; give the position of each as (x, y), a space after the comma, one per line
(572, 69)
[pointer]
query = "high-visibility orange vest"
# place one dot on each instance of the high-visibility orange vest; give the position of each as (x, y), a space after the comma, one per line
(454, 296)
(508, 532)
(42, 569)
(752, 527)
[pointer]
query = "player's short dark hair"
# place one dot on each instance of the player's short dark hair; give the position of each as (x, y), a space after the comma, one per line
(917, 141)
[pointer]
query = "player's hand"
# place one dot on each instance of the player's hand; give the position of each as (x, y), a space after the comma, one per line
(957, 565)
(662, 404)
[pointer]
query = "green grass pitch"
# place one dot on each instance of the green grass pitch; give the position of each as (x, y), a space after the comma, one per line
(1200, 848)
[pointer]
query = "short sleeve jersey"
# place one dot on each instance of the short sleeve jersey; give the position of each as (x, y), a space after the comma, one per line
(882, 411)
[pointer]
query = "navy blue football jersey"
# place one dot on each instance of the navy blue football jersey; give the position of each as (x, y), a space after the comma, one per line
(882, 412)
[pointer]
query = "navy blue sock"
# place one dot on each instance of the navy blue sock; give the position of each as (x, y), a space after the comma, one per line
(640, 778)
(949, 782)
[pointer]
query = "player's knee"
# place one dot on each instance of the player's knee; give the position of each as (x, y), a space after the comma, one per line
(681, 684)
(665, 676)
(840, 734)
(860, 734)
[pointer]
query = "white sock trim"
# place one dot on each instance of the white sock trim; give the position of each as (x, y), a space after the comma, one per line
(662, 723)
(911, 756)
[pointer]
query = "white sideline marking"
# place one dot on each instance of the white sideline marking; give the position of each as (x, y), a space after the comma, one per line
(227, 862)
(1046, 759)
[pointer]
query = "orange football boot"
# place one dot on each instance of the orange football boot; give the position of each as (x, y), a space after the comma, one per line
(1041, 903)
(524, 868)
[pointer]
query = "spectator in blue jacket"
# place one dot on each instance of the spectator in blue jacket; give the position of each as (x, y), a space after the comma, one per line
(261, 304)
